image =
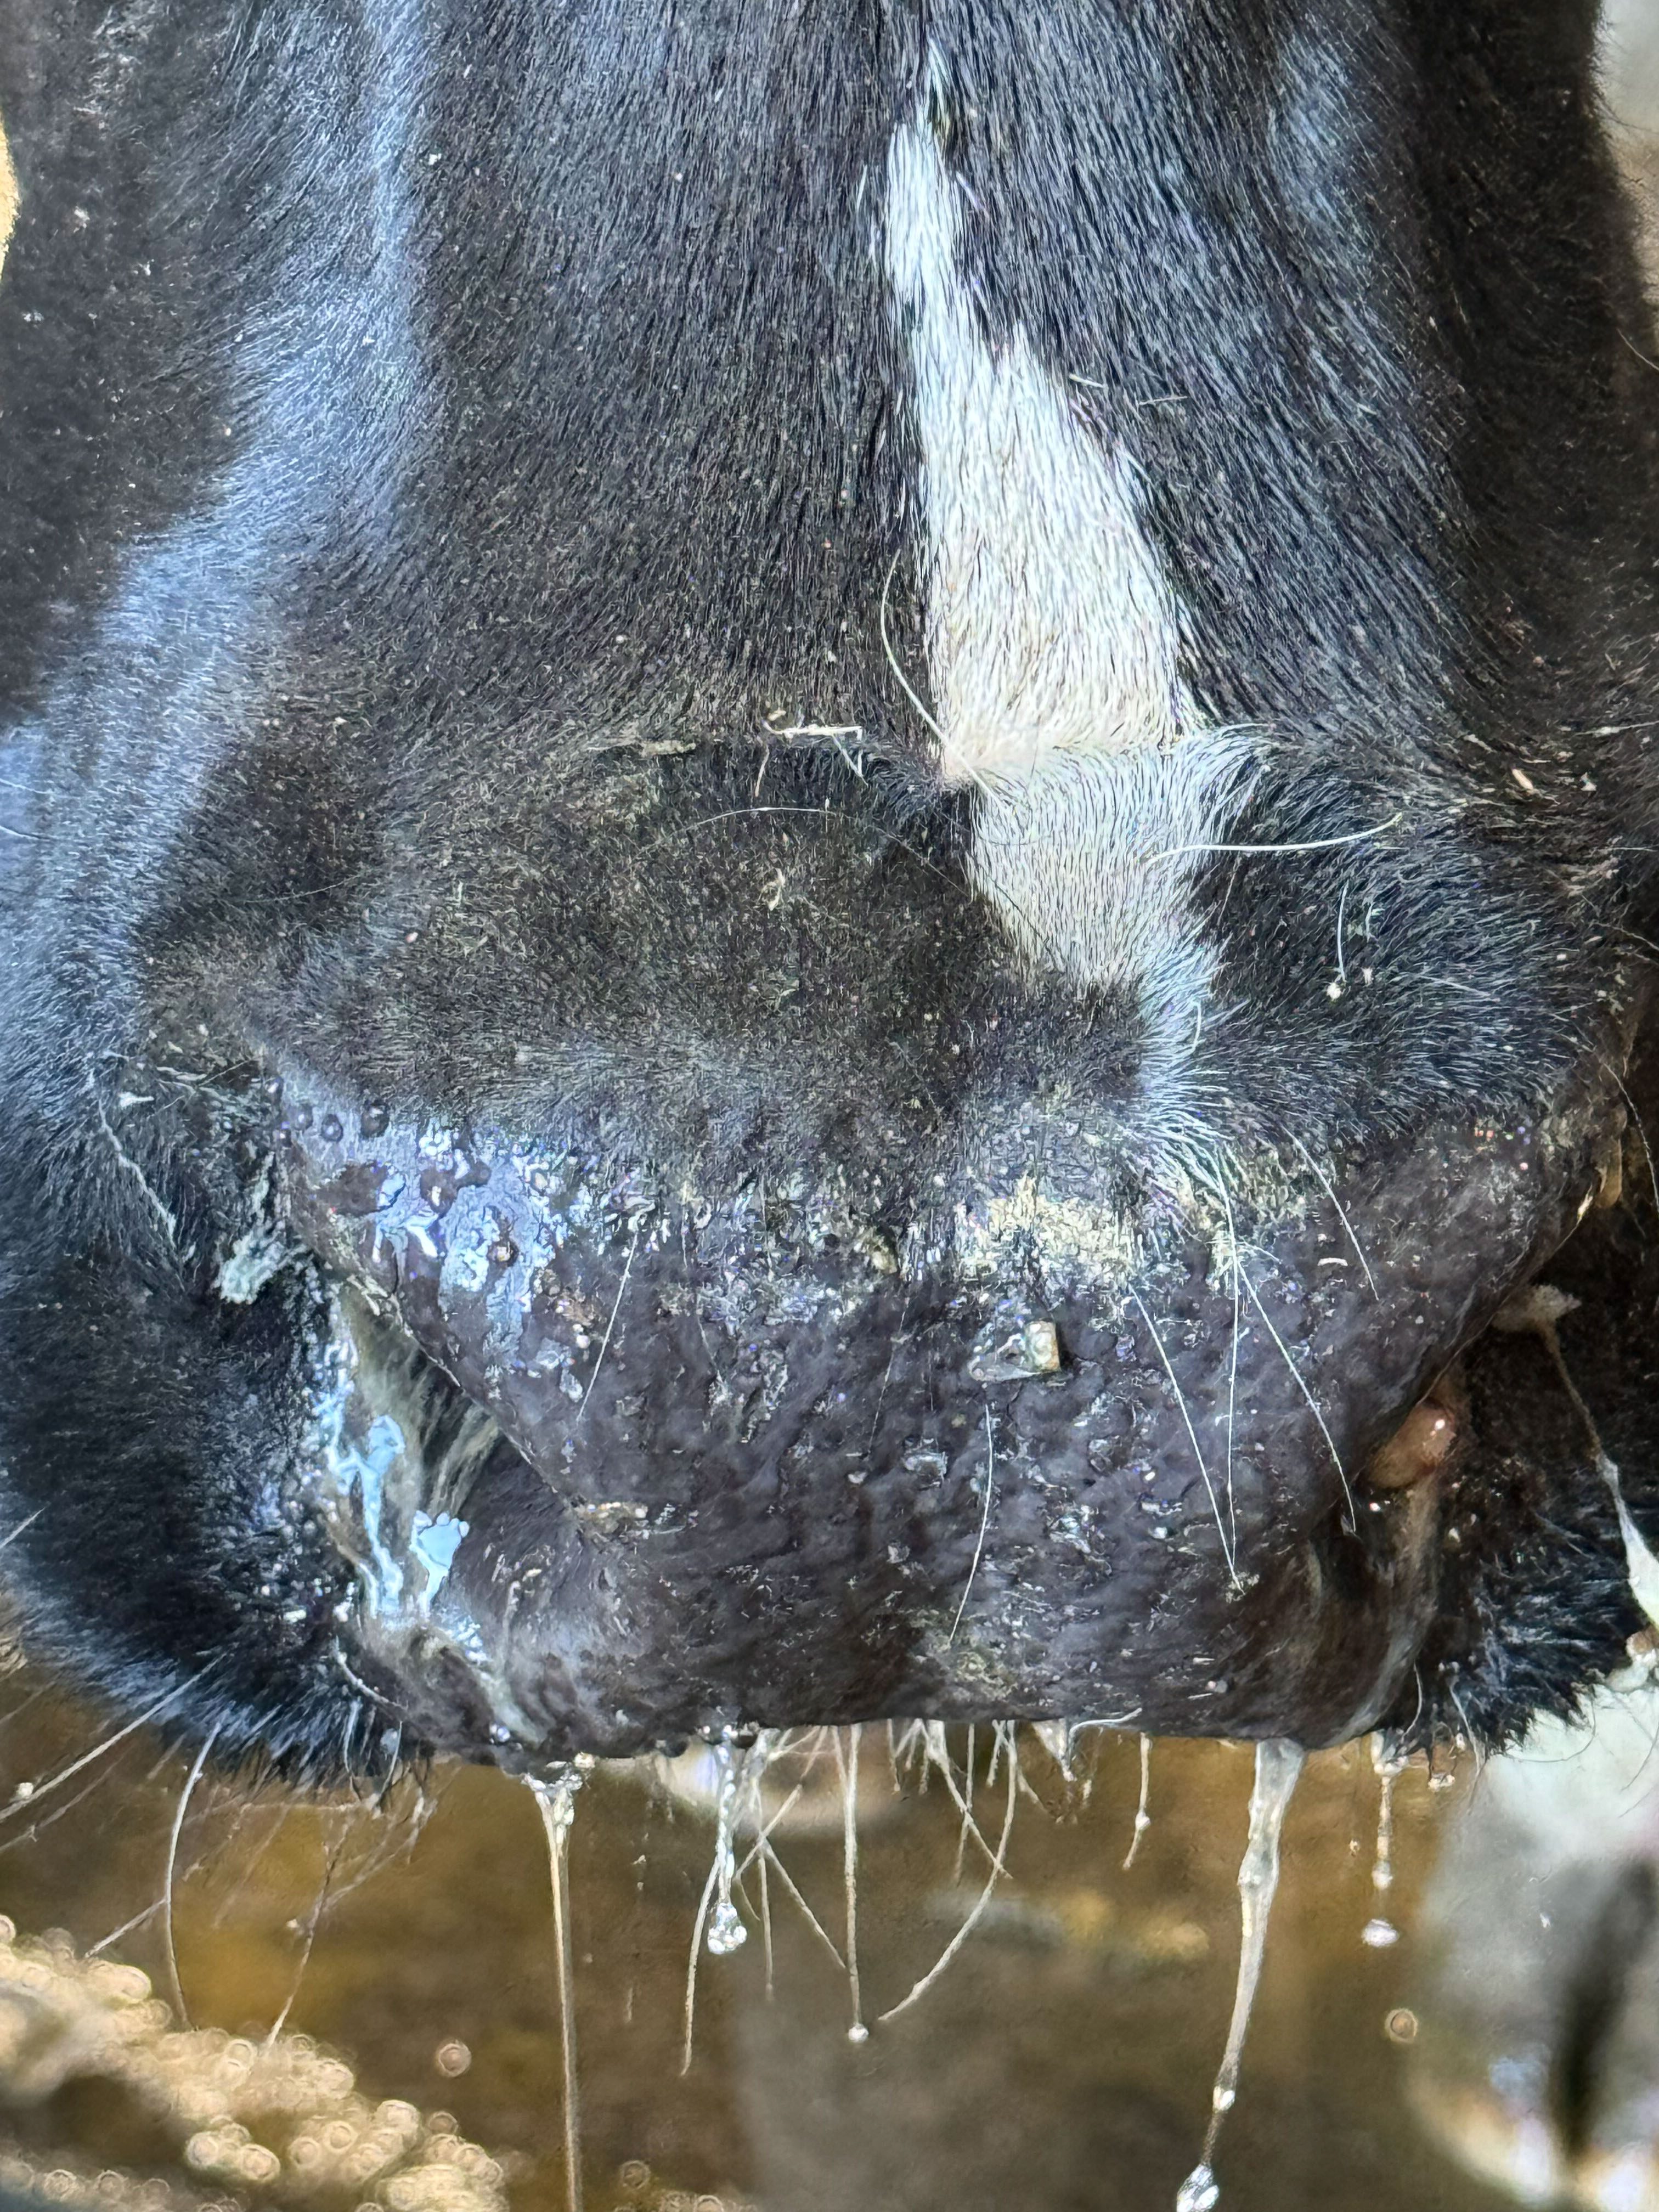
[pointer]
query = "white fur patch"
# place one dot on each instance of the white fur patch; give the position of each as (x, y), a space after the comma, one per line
(1052, 641)
(1050, 628)
(1090, 863)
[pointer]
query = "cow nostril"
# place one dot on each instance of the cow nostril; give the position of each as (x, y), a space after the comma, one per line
(1417, 1449)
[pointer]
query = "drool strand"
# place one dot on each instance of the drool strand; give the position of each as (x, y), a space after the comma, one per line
(1380, 1932)
(555, 1799)
(1143, 1809)
(726, 1931)
(1279, 1765)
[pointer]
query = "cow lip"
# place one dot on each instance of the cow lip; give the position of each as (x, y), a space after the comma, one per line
(741, 1507)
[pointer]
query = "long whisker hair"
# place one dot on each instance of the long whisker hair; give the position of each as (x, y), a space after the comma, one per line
(170, 1933)
(1192, 1433)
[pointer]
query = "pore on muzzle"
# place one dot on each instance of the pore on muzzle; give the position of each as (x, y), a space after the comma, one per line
(748, 1466)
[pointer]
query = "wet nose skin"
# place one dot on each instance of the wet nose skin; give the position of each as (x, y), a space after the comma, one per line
(766, 1471)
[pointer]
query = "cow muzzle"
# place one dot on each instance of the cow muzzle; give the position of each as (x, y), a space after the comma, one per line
(616, 1467)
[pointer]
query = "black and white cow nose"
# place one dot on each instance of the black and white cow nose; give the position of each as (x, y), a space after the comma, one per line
(930, 793)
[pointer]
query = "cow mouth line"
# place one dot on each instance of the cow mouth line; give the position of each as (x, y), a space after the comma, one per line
(641, 1475)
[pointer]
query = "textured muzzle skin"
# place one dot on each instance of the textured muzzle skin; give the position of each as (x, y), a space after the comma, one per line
(748, 1480)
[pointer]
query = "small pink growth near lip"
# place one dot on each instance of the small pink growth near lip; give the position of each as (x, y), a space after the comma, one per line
(1417, 1449)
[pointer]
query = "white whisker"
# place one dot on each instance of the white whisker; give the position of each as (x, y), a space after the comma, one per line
(96, 1950)
(307, 1944)
(766, 1923)
(1341, 1211)
(251, 1864)
(31, 1797)
(812, 1920)
(1636, 1119)
(984, 1523)
(604, 1341)
(1197, 1454)
(965, 1799)
(848, 1762)
(177, 1831)
(1301, 1384)
(998, 1868)
(697, 1927)
(1312, 845)
(1219, 1182)
(27, 1523)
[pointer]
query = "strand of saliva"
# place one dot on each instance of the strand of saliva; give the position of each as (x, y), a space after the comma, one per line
(555, 1793)
(726, 1931)
(1380, 1932)
(1279, 1765)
